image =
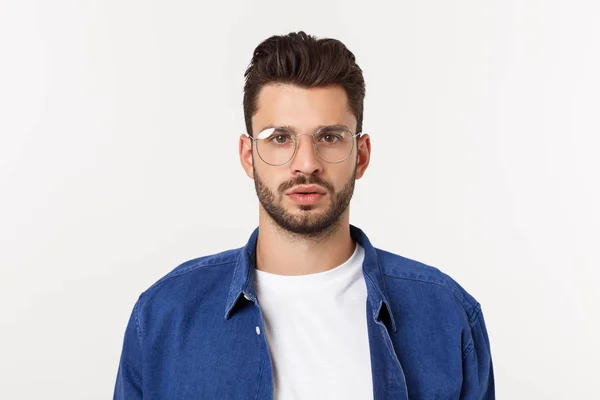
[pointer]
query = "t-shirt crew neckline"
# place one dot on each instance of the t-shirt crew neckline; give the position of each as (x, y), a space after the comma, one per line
(284, 282)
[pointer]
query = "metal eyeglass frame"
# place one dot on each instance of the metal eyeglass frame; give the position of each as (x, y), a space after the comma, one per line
(295, 138)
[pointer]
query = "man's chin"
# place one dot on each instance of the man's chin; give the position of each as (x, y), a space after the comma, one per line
(307, 224)
(307, 229)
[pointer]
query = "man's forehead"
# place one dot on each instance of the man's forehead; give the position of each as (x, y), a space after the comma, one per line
(302, 108)
(293, 92)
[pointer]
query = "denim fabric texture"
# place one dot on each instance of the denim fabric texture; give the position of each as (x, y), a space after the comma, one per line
(198, 333)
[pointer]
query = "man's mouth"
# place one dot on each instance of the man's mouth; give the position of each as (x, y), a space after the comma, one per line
(306, 198)
(308, 189)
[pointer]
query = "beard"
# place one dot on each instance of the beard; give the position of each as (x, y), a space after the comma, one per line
(306, 223)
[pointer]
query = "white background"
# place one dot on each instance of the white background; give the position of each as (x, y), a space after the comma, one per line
(119, 126)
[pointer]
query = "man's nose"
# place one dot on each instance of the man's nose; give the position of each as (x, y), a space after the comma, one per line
(305, 160)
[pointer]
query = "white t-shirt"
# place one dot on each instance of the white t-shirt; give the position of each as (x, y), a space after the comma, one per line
(316, 328)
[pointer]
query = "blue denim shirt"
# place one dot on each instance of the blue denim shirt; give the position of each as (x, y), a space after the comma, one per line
(193, 334)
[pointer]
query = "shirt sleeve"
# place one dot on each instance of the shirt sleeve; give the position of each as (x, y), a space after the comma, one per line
(129, 376)
(478, 372)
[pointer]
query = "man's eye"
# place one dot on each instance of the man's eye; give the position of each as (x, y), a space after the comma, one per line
(330, 138)
(280, 139)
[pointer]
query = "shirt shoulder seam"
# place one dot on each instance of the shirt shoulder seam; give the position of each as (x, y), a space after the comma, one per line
(136, 317)
(184, 270)
(472, 321)
(471, 309)
(468, 349)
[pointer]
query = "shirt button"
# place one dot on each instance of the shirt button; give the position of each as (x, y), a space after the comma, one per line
(246, 297)
(257, 330)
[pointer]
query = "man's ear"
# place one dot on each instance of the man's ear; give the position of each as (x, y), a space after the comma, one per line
(245, 149)
(363, 145)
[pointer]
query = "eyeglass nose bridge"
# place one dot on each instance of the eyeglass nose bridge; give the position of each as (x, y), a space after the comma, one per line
(305, 134)
(296, 142)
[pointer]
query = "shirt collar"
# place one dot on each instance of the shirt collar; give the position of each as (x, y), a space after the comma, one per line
(242, 282)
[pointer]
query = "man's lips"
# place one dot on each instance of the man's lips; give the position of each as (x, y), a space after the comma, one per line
(307, 189)
(305, 198)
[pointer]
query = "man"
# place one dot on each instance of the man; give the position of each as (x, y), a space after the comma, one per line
(308, 309)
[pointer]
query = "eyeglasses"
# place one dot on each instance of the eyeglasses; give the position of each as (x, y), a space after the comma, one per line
(278, 145)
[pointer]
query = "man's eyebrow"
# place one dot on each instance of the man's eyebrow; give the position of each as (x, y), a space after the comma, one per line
(333, 126)
(291, 129)
(284, 127)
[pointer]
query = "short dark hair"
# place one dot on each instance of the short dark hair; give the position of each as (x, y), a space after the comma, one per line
(305, 61)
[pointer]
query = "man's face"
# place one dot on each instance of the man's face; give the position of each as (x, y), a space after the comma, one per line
(304, 110)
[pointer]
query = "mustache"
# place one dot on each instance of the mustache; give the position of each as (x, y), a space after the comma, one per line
(305, 180)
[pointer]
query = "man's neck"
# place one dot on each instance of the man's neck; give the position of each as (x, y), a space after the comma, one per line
(284, 253)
